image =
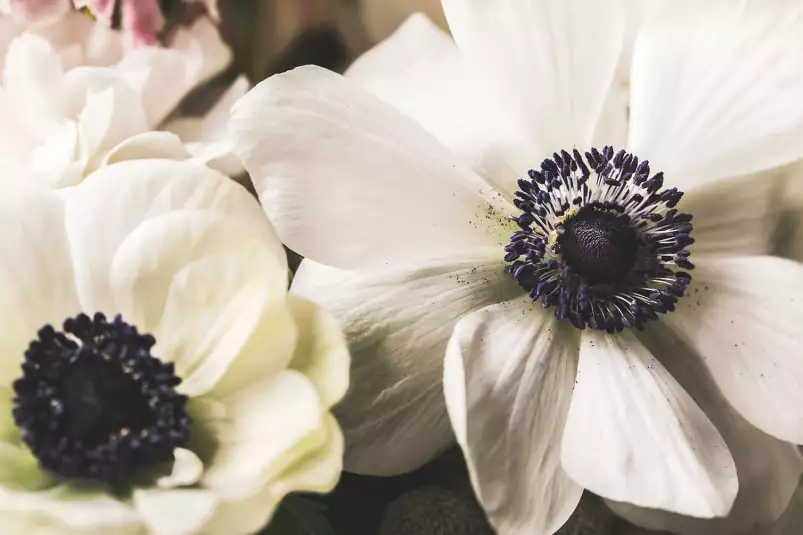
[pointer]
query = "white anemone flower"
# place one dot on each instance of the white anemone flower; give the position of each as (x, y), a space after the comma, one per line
(63, 118)
(406, 195)
(161, 379)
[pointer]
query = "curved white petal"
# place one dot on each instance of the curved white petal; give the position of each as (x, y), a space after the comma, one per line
(347, 180)
(767, 468)
(206, 52)
(508, 379)
(174, 511)
(187, 470)
(162, 76)
(420, 71)
(37, 285)
(261, 431)
(716, 89)
(317, 472)
(397, 322)
(743, 317)
(113, 201)
(550, 62)
(321, 354)
(735, 216)
(148, 145)
(32, 75)
(201, 285)
(634, 435)
(69, 509)
(208, 137)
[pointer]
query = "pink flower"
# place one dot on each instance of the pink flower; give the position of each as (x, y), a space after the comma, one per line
(142, 20)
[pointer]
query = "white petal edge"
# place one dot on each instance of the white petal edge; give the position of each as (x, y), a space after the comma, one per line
(321, 353)
(397, 322)
(508, 379)
(69, 510)
(116, 199)
(264, 430)
(735, 216)
(37, 282)
(768, 469)
(318, 472)
(348, 180)
(743, 317)
(147, 145)
(634, 435)
(420, 71)
(203, 287)
(715, 89)
(553, 83)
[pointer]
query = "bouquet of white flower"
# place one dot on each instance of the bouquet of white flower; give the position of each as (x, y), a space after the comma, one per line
(521, 267)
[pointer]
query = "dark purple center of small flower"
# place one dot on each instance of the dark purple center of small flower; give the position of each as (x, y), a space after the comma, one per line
(607, 251)
(93, 403)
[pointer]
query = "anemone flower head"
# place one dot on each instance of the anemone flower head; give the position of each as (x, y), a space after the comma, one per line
(157, 377)
(571, 273)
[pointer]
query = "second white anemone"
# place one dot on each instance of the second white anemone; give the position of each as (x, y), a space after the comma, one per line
(160, 378)
(595, 335)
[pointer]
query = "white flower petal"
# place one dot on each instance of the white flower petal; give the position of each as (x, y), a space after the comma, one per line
(317, 472)
(32, 74)
(109, 117)
(148, 145)
(715, 89)
(743, 317)
(213, 126)
(264, 429)
(37, 285)
(735, 216)
(208, 137)
(554, 82)
(508, 379)
(634, 435)
(349, 181)
(321, 353)
(187, 470)
(206, 52)
(53, 161)
(420, 71)
(162, 76)
(767, 468)
(113, 201)
(80, 41)
(398, 322)
(174, 511)
(201, 285)
(68, 510)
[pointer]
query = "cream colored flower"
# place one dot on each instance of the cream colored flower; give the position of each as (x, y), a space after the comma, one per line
(200, 396)
(64, 116)
(439, 173)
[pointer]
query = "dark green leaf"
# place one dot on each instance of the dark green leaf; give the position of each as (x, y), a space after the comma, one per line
(298, 515)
